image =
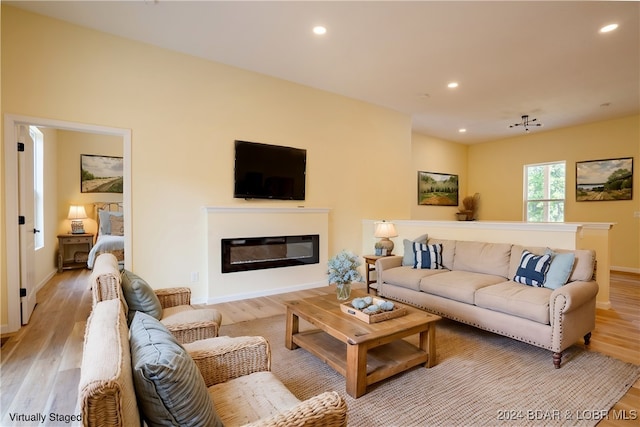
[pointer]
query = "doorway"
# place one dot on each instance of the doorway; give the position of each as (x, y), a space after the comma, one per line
(11, 122)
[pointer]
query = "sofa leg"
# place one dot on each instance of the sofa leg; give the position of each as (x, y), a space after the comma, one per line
(557, 359)
(587, 339)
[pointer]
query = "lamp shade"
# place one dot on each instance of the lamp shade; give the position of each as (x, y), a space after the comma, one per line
(77, 212)
(385, 229)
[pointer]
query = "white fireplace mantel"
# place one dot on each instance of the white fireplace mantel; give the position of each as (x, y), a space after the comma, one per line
(225, 222)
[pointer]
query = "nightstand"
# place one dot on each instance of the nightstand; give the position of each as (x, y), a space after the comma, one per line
(369, 266)
(73, 250)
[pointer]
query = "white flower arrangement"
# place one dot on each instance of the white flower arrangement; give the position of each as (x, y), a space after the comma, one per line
(343, 268)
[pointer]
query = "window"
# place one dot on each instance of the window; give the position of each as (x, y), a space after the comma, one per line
(544, 192)
(38, 185)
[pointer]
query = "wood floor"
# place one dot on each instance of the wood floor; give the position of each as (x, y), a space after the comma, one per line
(40, 365)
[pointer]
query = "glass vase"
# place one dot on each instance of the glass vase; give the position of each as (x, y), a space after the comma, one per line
(343, 291)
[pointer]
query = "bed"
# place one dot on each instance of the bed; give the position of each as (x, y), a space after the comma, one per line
(110, 220)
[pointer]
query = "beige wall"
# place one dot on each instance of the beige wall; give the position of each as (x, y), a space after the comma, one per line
(184, 114)
(496, 172)
(435, 155)
(70, 147)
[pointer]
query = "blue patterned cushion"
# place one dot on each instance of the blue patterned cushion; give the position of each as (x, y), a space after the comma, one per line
(169, 386)
(428, 256)
(409, 256)
(532, 269)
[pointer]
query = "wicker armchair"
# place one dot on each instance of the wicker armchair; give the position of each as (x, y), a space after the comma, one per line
(240, 366)
(236, 373)
(186, 322)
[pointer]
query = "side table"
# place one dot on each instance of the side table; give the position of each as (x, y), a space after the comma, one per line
(369, 266)
(73, 250)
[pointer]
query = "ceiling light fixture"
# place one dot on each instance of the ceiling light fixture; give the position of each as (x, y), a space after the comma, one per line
(608, 28)
(319, 30)
(452, 85)
(526, 123)
(462, 130)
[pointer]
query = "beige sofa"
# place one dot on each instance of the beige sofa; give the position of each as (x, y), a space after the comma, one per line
(126, 374)
(476, 286)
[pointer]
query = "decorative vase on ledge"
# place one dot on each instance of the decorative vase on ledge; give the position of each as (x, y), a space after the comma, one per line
(343, 291)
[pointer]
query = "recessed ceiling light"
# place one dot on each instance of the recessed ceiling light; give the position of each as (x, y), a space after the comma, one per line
(462, 130)
(608, 28)
(319, 30)
(452, 85)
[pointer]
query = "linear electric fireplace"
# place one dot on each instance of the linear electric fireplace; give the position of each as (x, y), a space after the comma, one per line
(257, 253)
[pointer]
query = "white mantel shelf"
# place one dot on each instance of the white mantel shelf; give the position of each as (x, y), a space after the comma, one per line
(264, 209)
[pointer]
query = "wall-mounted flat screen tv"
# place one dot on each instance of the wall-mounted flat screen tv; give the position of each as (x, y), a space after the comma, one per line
(265, 171)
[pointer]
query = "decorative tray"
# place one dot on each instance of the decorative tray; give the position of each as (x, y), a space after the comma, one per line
(373, 317)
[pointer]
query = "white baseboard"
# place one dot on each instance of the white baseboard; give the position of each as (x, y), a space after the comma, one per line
(257, 294)
(4, 329)
(604, 305)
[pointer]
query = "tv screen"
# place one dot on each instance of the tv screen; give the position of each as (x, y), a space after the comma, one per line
(264, 171)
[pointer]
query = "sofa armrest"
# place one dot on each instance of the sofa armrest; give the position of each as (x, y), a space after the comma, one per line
(388, 262)
(326, 409)
(573, 295)
(172, 297)
(223, 358)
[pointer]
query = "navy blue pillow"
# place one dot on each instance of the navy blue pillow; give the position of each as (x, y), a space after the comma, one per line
(532, 269)
(428, 256)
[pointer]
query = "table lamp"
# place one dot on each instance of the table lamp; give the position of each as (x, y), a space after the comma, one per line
(76, 215)
(384, 230)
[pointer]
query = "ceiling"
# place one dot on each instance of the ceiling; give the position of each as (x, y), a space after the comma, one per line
(545, 59)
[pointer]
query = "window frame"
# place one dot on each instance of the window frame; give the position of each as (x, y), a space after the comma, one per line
(547, 190)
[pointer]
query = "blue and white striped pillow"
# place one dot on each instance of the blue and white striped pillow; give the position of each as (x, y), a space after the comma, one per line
(428, 256)
(532, 269)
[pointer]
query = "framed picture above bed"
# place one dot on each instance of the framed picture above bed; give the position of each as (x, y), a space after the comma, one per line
(101, 174)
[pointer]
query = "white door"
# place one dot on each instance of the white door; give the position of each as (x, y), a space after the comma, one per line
(27, 229)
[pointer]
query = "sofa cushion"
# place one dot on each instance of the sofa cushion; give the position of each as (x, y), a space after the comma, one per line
(187, 314)
(481, 257)
(262, 396)
(532, 269)
(408, 256)
(457, 285)
(448, 251)
(559, 270)
(140, 296)
(406, 277)
(516, 299)
(169, 386)
(106, 389)
(428, 256)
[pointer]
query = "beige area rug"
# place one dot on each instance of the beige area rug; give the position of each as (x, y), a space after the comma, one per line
(480, 379)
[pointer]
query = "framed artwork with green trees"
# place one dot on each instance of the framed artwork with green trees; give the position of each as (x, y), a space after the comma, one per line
(437, 189)
(101, 174)
(604, 180)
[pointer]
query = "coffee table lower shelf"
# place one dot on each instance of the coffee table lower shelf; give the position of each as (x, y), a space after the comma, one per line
(381, 362)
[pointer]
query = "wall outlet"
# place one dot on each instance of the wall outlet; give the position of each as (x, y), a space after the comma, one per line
(636, 214)
(195, 276)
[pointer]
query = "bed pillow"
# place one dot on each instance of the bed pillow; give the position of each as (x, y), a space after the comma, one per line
(532, 269)
(169, 386)
(409, 257)
(105, 222)
(428, 256)
(117, 225)
(140, 296)
(559, 270)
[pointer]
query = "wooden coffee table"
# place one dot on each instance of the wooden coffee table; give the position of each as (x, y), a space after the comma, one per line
(363, 353)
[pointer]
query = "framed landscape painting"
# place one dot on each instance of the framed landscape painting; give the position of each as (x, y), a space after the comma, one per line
(604, 180)
(101, 174)
(437, 189)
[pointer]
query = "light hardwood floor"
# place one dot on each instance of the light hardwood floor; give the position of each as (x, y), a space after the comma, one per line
(40, 367)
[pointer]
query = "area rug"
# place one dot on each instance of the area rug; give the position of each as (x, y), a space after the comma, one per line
(480, 379)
